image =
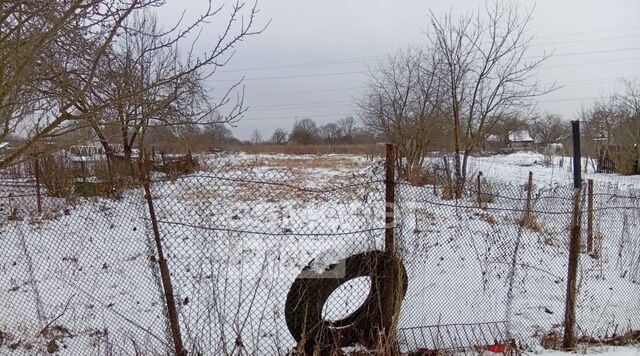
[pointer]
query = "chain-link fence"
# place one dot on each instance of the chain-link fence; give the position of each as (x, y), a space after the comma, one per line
(502, 255)
(82, 270)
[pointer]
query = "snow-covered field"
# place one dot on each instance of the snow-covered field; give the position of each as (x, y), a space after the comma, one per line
(515, 168)
(237, 233)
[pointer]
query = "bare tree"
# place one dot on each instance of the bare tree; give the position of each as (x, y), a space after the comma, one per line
(45, 47)
(67, 70)
(550, 128)
(304, 132)
(143, 60)
(347, 127)
(218, 133)
(403, 104)
(503, 126)
(599, 121)
(256, 137)
(612, 128)
(626, 129)
(485, 72)
(331, 132)
(279, 137)
(628, 102)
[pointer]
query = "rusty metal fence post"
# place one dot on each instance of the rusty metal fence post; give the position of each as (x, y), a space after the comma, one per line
(569, 338)
(164, 268)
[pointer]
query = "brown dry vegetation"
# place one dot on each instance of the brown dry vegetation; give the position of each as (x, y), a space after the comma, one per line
(288, 178)
(529, 221)
(300, 164)
(553, 340)
(293, 149)
(485, 216)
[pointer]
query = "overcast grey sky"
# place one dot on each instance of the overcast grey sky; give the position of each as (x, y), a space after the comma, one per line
(312, 60)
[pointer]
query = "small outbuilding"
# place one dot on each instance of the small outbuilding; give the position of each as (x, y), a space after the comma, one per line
(520, 140)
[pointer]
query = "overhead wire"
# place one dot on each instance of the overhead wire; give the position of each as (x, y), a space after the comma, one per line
(322, 104)
(378, 57)
(364, 60)
(317, 75)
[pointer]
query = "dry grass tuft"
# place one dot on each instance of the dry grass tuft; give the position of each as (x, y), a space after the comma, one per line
(423, 177)
(301, 164)
(529, 221)
(551, 340)
(486, 194)
(485, 216)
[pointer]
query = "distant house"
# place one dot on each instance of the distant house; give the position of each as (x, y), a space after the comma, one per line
(520, 140)
(493, 143)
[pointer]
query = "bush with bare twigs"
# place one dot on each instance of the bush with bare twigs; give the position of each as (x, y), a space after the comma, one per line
(57, 176)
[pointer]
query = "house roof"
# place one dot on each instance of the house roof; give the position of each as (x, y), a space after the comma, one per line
(520, 136)
(493, 138)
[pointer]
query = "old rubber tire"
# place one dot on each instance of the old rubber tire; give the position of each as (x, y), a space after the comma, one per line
(310, 291)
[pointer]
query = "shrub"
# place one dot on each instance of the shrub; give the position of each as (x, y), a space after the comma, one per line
(56, 175)
(422, 177)
(484, 191)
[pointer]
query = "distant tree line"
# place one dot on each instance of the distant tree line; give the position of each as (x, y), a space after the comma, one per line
(344, 131)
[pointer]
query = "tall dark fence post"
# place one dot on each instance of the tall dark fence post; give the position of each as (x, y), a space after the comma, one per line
(164, 268)
(569, 340)
(577, 157)
(390, 183)
(392, 298)
(529, 194)
(36, 167)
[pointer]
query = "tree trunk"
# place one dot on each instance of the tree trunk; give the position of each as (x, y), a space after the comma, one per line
(463, 175)
(458, 174)
(457, 164)
(108, 150)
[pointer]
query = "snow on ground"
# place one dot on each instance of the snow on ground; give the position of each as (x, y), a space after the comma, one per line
(515, 168)
(599, 351)
(237, 233)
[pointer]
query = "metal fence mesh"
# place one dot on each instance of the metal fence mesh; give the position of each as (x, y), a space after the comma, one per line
(81, 276)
